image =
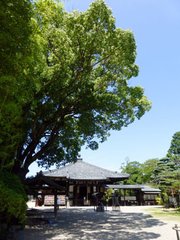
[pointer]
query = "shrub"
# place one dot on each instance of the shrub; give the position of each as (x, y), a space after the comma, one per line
(12, 199)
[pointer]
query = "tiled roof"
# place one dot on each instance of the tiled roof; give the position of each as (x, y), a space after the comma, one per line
(40, 180)
(81, 170)
(150, 190)
(142, 187)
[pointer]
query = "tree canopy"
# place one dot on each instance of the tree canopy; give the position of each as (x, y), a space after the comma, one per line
(174, 150)
(163, 174)
(167, 177)
(140, 173)
(73, 80)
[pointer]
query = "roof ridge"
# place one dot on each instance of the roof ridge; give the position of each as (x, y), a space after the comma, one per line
(84, 170)
(104, 169)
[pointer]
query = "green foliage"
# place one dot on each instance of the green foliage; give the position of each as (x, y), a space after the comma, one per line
(15, 29)
(174, 150)
(16, 90)
(147, 168)
(70, 82)
(159, 200)
(12, 199)
(140, 173)
(166, 173)
(164, 197)
(167, 177)
(174, 156)
(108, 195)
(14, 82)
(63, 83)
(135, 171)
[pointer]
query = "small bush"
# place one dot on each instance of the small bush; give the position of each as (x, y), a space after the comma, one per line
(107, 195)
(159, 201)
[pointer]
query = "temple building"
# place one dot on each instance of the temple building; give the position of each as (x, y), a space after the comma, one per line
(79, 184)
(81, 181)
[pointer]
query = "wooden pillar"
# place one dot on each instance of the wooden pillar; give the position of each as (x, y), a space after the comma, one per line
(67, 188)
(87, 189)
(139, 197)
(67, 194)
(124, 197)
(55, 203)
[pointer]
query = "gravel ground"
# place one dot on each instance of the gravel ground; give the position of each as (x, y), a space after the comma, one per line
(128, 223)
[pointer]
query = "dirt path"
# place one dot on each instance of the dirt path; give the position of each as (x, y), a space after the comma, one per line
(130, 223)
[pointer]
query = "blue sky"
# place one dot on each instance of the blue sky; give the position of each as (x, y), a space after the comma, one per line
(156, 27)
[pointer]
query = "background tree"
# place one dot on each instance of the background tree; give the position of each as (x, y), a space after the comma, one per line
(167, 173)
(134, 169)
(163, 173)
(174, 155)
(147, 168)
(82, 89)
(140, 173)
(174, 150)
(167, 177)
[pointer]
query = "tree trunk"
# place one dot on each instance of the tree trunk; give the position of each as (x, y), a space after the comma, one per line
(20, 171)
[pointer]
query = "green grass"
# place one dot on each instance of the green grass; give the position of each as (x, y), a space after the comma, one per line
(169, 214)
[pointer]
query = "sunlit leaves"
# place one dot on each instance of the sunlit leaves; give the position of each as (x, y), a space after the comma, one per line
(78, 90)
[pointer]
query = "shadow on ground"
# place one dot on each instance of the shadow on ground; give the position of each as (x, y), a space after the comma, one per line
(88, 224)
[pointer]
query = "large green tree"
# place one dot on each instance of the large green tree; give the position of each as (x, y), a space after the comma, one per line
(167, 177)
(174, 150)
(174, 156)
(164, 173)
(167, 173)
(79, 89)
